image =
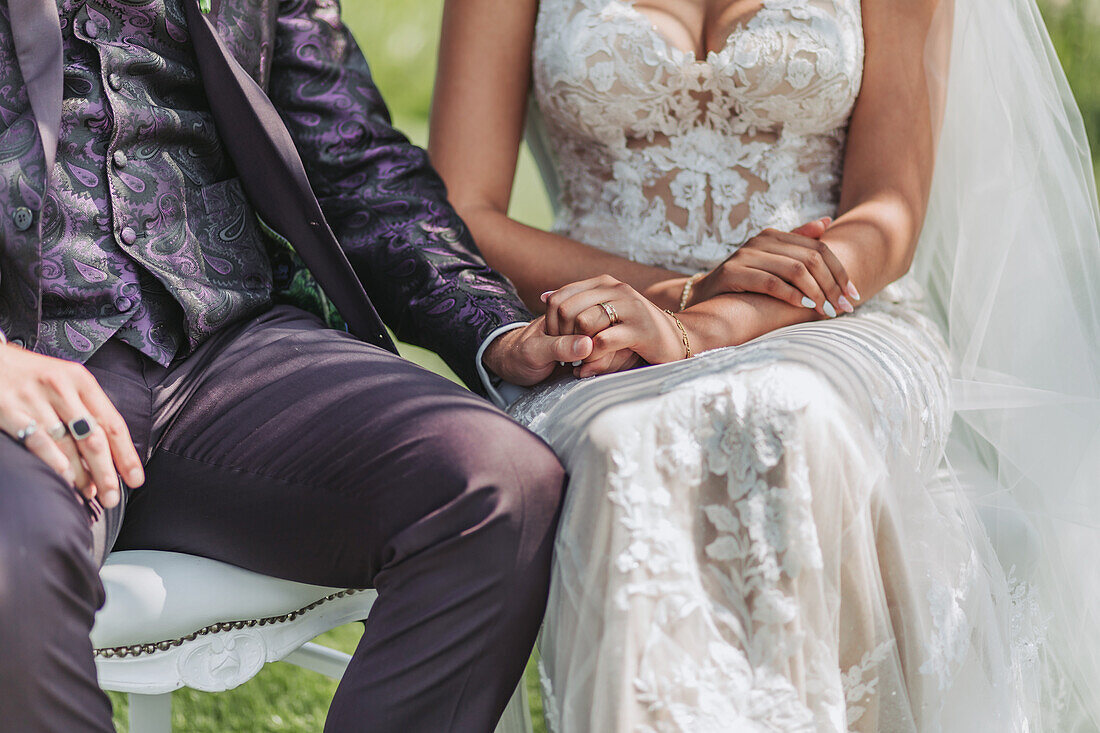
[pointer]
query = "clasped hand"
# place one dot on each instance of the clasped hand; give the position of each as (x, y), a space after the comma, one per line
(796, 268)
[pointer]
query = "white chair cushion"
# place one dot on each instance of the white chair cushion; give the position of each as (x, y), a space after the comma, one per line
(158, 596)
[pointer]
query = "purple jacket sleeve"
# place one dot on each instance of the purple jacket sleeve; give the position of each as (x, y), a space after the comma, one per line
(386, 204)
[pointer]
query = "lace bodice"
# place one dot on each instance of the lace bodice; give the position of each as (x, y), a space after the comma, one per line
(674, 161)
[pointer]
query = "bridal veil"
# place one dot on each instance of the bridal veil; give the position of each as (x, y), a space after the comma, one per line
(1010, 258)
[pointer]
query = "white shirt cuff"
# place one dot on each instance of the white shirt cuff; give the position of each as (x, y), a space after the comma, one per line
(500, 392)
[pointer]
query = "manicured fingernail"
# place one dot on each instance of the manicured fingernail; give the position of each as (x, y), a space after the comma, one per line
(578, 363)
(546, 296)
(561, 363)
(807, 303)
(852, 291)
(845, 305)
(830, 311)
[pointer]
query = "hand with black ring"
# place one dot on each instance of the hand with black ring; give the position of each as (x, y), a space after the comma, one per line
(57, 411)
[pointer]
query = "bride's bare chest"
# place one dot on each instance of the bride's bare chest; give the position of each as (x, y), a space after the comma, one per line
(698, 26)
(636, 68)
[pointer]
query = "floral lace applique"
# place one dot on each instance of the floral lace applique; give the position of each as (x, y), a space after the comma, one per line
(721, 439)
(857, 688)
(704, 153)
(950, 637)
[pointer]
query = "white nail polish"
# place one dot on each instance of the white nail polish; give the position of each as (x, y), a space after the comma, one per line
(561, 363)
(807, 303)
(577, 363)
(830, 311)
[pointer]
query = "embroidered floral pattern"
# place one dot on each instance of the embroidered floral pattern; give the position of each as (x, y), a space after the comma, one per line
(717, 559)
(703, 153)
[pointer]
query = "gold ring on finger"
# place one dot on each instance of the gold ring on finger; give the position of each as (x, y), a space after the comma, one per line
(612, 314)
(58, 432)
(81, 427)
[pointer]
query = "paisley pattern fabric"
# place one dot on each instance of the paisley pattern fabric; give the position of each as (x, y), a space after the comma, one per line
(379, 193)
(139, 150)
(22, 186)
(760, 538)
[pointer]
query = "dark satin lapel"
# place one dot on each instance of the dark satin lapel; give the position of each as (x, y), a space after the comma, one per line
(36, 30)
(274, 178)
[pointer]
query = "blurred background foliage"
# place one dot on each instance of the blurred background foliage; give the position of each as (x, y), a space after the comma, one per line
(400, 38)
(1075, 27)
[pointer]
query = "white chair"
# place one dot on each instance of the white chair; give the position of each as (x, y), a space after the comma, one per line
(174, 620)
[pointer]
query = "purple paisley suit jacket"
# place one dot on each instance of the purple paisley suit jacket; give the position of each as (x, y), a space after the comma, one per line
(312, 142)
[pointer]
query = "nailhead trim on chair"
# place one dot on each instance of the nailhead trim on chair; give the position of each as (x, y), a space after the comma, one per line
(137, 650)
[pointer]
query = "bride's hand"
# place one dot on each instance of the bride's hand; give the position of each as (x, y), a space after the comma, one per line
(796, 267)
(621, 321)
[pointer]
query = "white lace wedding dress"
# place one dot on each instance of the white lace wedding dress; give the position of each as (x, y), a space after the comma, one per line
(757, 538)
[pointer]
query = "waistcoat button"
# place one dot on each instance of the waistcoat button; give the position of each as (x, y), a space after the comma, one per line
(22, 218)
(128, 235)
(114, 81)
(120, 159)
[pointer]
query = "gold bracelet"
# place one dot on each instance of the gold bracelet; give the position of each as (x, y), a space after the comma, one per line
(687, 289)
(683, 335)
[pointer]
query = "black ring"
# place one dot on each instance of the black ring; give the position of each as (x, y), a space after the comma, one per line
(81, 427)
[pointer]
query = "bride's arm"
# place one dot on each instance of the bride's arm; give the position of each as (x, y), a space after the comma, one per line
(887, 176)
(476, 129)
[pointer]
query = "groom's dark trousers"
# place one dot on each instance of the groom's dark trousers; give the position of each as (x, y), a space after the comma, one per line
(302, 453)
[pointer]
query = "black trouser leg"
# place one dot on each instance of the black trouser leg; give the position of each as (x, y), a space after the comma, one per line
(49, 593)
(301, 453)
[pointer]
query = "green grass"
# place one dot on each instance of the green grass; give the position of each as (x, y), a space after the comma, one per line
(399, 38)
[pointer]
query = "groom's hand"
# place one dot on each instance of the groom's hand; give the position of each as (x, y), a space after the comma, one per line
(528, 355)
(38, 393)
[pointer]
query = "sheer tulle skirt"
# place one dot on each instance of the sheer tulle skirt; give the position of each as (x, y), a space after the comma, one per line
(761, 538)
